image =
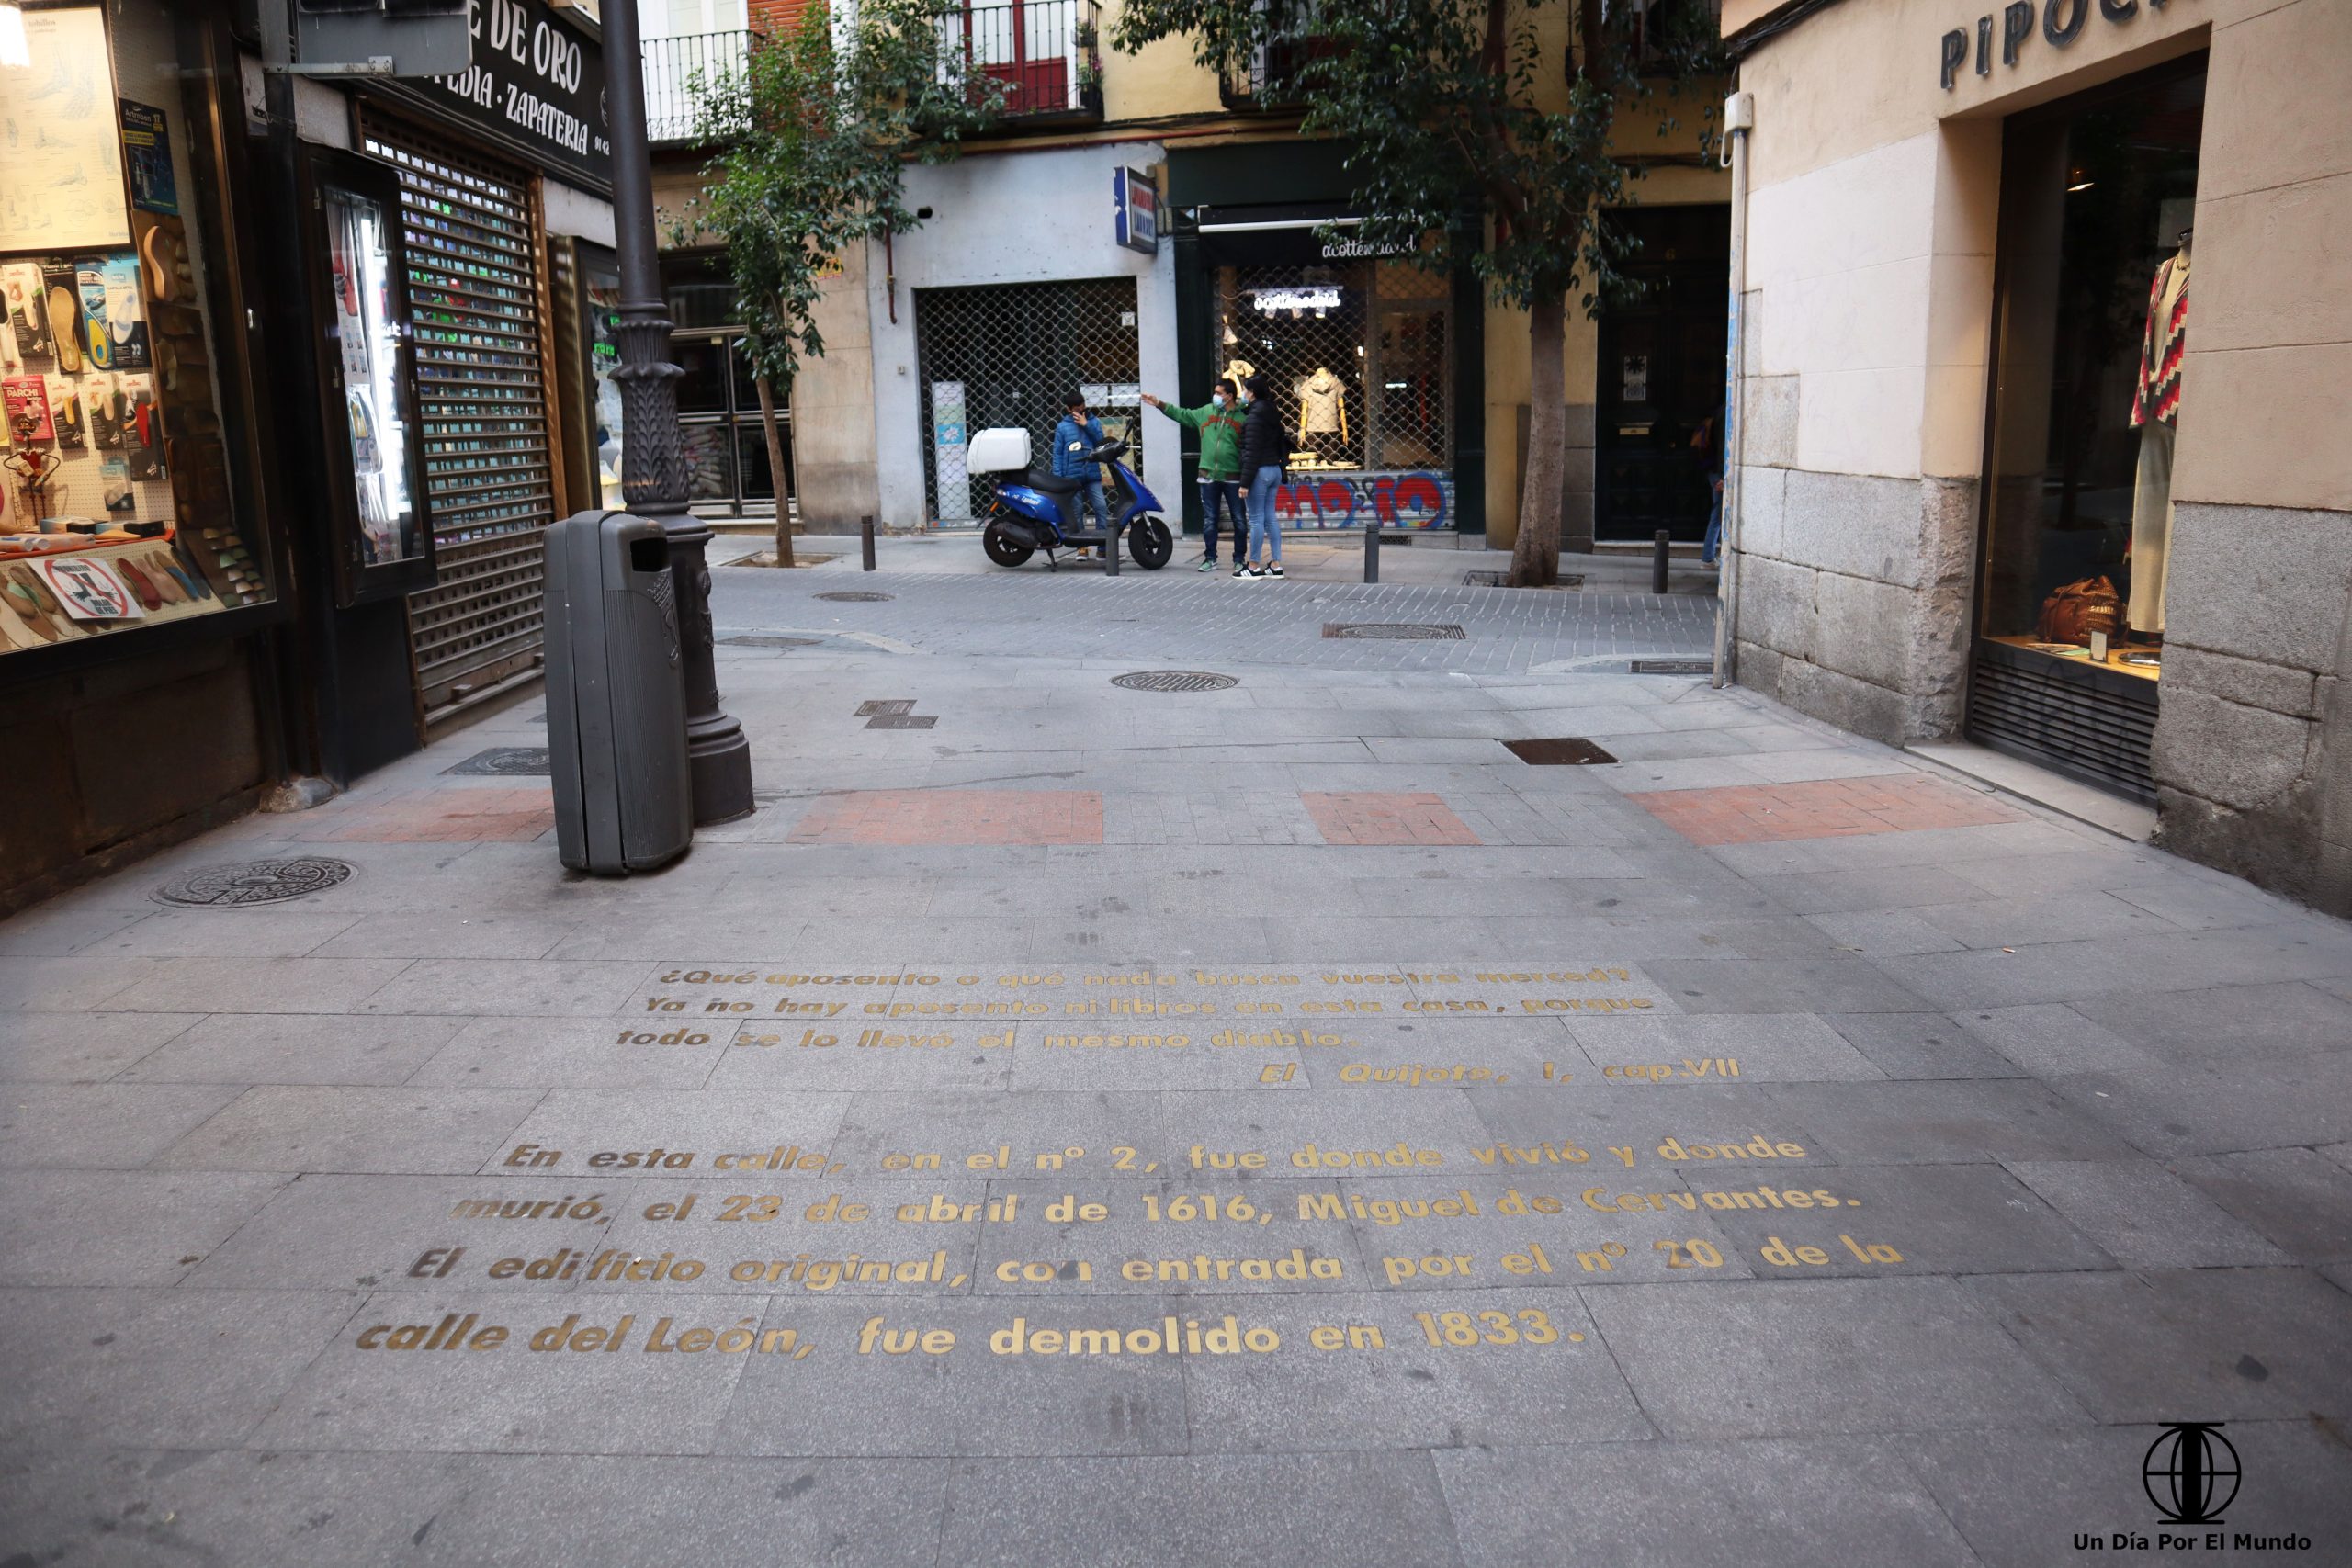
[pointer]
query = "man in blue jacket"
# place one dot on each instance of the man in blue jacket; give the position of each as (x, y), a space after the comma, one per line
(1076, 435)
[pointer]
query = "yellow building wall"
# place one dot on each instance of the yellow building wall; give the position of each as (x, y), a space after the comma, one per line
(1509, 362)
(1158, 80)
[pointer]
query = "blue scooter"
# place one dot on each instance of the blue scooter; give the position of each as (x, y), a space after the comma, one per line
(1035, 511)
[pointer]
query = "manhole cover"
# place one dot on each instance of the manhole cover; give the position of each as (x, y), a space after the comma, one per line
(1558, 751)
(885, 706)
(1393, 631)
(1673, 667)
(255, 882)
(1174, 681)
(902, 721)
(526, 759)
(770, 641)
(855, 598)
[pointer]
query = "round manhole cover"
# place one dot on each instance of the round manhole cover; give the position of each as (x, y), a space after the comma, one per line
(1174, 681)
(255, 882)
(1394, 631)
(855, 598)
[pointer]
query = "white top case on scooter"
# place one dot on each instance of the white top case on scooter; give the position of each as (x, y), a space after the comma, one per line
(998, 451)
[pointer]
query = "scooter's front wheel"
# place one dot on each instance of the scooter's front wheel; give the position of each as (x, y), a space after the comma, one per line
(996, 540)
(1149, 542)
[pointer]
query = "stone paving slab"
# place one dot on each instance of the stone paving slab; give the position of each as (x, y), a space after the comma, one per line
(1359, 1144)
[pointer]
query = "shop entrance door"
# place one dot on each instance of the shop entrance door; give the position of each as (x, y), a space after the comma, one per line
(476, 292)
(1661, 377)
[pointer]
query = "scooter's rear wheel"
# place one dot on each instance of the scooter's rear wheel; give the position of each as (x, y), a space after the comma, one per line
(1149, 542)
(1002, 548)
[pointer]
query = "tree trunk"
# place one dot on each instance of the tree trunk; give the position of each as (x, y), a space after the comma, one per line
(776, 472)
(1535, 558)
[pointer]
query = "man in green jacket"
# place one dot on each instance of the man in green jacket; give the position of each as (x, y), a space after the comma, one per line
(1219, 422)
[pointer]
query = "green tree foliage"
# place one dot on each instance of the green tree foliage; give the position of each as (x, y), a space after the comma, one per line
(815, 133)
(1463, 123)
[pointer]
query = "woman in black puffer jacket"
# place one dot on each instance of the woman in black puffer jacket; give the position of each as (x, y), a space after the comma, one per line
(1263, 442)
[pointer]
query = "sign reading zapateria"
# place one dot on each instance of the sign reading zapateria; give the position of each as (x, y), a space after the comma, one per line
(536, 87)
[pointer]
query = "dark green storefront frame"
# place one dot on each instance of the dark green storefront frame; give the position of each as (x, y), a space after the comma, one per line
(1293, 174)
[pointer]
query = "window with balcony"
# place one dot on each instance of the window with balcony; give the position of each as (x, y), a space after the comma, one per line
(688, 42)
(1045, 52)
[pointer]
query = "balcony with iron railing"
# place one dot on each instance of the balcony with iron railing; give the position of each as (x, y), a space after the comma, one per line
(679, 70)
(1268, 81)
(1046, 54)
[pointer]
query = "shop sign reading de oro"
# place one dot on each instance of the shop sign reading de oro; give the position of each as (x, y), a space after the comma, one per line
(536, 86)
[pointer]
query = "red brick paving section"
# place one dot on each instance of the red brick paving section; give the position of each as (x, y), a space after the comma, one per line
(1769, 814)
(1375, 817)
(438, 816)
(953, 817)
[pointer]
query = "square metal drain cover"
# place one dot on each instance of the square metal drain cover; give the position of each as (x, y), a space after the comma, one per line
(1674, 667)
(1393, 631)
(528, 760)
(901, 721)
(1558, 751)
(889, 706)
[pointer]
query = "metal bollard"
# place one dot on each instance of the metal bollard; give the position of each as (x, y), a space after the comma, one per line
(1110, 550)
(866, 540)
(1371, 550)
(1659, 542)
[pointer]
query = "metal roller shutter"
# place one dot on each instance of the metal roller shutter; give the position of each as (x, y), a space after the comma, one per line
(2082, 722)
(474, 299)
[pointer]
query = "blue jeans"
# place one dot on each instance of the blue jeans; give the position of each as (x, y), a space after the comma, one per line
(1223, 495)
(1093, 496)
(1714, 531)
(1265, 528)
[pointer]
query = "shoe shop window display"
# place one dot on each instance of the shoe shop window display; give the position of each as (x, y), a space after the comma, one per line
(115, 506)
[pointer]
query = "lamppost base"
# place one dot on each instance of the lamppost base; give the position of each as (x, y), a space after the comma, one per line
(721, 767)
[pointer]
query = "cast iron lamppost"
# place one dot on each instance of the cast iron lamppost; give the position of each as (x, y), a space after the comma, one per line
(653, 466)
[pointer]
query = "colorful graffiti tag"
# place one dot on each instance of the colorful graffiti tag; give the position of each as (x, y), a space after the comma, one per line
(1395, 498)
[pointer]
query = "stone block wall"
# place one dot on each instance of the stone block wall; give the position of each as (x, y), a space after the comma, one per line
(2254, 751)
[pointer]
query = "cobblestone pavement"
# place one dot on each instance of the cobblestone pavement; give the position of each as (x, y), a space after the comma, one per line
(1271, 1124)
(1084, 615)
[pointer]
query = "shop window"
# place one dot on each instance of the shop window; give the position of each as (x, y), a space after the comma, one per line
(2097, 202)
(117, 507)
(719, 399)
(696, 289)
(1358, 354)
(2098, 199)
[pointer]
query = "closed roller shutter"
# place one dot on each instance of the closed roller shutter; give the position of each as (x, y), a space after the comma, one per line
(2081, 721)
(474, 299)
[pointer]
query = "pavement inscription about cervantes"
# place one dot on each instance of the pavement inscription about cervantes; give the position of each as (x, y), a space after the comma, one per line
(1354, 1225)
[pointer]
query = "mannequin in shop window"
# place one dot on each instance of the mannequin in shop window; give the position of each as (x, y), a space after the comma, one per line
(1323, 416)
(2155, 413)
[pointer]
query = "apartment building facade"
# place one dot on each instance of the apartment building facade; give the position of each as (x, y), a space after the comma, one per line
(1405, 391)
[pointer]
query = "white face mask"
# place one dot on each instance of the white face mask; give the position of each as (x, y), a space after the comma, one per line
(1217, 397)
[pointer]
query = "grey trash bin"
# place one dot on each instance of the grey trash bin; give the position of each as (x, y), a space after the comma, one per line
(616, 696)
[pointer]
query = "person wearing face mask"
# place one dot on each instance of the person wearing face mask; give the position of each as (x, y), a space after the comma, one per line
(1219, 423)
